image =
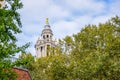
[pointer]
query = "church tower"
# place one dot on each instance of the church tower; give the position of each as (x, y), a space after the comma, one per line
(45, 42)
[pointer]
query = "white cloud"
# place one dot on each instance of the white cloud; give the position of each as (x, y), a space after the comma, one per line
(80, 13)
(85, 4)
(32, 29)
(63, 28)
(23, 39)
(83, 20)
(40, 9)
(115, 8)
(88, 6)
(100, 19)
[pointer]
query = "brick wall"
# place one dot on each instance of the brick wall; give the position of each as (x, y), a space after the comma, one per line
(23, 74)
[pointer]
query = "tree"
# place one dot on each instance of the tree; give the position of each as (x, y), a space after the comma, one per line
(25, 60)
(93, 54)
(10, 25)
(96, 51)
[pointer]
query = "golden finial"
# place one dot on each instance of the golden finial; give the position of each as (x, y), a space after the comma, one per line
(47, 21)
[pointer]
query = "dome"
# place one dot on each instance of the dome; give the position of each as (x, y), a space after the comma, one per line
(47, 31)
(47, 26)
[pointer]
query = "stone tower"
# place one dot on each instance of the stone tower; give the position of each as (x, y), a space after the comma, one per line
(45, 42)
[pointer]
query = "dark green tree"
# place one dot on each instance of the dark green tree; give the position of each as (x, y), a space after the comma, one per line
(10, 25)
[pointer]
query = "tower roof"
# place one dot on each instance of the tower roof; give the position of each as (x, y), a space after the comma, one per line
(47, 28)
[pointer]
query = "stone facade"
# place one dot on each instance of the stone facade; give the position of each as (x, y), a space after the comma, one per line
(45, 41)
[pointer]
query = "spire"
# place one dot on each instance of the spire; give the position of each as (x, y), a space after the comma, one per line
(47, 22)
(47, 26)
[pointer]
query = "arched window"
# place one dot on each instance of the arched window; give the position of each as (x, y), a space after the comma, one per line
(41, 48)
(43, 36)
(47, 36)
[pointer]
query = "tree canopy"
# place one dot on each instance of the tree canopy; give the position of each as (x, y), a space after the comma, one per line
(91, 54)
(10, 25)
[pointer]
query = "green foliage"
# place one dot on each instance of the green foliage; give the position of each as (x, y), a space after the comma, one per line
(91, 54)
(6, 70)
(25, 60)
(10, 25)
(97, 50)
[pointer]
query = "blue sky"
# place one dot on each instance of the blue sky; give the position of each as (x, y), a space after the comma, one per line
(66, 17)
